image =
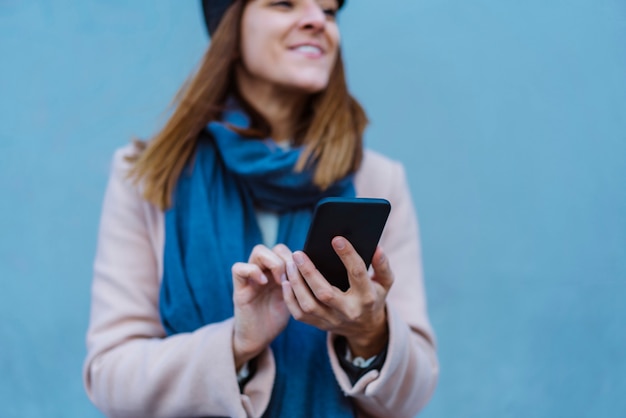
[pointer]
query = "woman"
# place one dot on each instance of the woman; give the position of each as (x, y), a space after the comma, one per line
(201, 305)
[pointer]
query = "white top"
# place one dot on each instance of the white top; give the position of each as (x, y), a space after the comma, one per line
(268, 224)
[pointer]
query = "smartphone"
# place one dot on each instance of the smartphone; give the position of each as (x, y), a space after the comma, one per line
(360, 220)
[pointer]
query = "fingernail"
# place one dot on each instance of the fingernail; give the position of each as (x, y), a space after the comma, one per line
(340, 244)
(298, 258)
(264, 278)
(283, 278)
(291, 268)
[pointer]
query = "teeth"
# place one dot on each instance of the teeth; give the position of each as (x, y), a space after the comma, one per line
(308, 49)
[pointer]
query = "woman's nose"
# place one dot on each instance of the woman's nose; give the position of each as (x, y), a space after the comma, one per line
(313, 16)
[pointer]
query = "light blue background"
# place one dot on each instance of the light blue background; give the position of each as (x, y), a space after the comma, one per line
(509, 115)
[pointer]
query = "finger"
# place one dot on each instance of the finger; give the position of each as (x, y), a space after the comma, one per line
(292, 303)
(243, 273)
(289, 297)
(306, 300)
(321, 288)
(266, 259)
(382, 269)
(357, 273)
(283, 252)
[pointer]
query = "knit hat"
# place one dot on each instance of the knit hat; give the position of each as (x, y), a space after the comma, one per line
(215, 9)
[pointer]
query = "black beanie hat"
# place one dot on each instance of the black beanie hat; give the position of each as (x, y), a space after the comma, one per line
(215, 9)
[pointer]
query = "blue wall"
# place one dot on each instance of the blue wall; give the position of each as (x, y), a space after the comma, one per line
(510, 117)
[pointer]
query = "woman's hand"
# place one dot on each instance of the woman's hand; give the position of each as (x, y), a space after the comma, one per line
(359, 314)
(260, 312)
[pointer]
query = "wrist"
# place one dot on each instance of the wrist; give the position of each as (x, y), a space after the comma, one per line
(371, 342)
(243, 353)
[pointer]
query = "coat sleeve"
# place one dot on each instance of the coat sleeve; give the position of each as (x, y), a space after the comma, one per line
(131, 368)
(409, 375)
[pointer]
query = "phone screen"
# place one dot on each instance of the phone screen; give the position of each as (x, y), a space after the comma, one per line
(360, 220)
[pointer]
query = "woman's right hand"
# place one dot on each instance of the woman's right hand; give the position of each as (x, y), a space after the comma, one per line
(260, 312)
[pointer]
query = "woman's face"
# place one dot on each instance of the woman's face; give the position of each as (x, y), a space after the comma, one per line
(289, 44)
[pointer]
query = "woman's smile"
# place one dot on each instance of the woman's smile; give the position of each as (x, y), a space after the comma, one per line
(310, 50)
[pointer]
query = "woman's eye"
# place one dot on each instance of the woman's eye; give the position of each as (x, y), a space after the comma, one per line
(282, 3)
(330, 12)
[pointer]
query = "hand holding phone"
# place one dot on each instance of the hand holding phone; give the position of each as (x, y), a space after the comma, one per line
(360, 220)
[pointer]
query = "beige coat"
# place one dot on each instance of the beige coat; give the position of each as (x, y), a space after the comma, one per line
(133, 370)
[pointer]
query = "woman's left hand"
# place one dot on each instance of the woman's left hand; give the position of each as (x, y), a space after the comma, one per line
(359, 314)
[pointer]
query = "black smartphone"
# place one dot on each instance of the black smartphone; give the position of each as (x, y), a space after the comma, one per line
(360, 220)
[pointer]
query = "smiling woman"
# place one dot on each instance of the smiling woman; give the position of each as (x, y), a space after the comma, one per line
(202, 304)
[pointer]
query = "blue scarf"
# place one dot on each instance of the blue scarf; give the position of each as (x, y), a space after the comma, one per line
(212, 224)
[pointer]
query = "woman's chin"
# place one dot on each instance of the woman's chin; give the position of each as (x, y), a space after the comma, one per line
(308, 86)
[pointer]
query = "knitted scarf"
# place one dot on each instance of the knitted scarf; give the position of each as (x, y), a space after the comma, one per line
(212, 224)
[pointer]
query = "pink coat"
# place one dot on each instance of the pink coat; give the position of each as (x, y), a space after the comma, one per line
(132, 370)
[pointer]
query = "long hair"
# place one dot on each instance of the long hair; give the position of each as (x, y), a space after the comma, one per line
(331, 128)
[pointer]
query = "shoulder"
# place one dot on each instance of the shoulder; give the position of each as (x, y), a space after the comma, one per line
(124, 206)
(377, 175)
(121, 166)
(122, 157)
(122, 188)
